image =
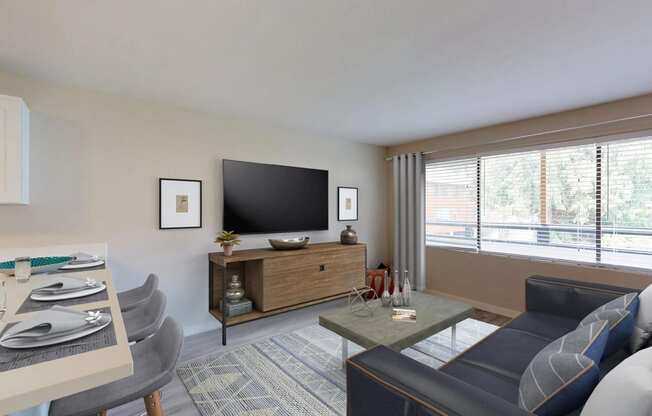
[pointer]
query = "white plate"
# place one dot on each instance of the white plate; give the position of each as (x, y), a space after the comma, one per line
(82, 265)
(73, 295)
(18, 344)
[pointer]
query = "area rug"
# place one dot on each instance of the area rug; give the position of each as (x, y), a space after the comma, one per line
(298, 373)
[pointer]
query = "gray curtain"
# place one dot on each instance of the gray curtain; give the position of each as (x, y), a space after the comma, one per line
(409, 218)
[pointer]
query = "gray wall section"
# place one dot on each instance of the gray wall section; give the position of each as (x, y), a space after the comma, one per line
(95, 164)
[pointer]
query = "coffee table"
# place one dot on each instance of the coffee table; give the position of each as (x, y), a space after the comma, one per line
(434, 314)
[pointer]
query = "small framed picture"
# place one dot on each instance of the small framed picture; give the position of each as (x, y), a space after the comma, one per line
(179, 203)
(347, 203)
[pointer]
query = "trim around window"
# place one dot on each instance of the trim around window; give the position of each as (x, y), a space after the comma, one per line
(560, 262)
(588, 205)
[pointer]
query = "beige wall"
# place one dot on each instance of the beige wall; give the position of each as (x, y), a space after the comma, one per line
(496, 137)
(497, 282)
(95, 164)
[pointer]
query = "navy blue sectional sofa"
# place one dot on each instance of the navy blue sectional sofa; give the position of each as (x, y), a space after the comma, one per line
(484, 379)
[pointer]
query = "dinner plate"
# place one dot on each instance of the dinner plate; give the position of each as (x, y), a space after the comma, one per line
(72, 295)
(21, 344)
(74, 266)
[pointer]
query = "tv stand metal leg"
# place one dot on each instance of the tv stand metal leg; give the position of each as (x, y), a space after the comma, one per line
(224, 306)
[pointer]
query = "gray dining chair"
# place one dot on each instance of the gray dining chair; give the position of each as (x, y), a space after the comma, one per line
(131, 298)
(143, 320)
(155, 360)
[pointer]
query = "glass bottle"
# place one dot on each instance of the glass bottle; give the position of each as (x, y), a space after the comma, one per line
(396, 294)
(386, 298)
(407, 290)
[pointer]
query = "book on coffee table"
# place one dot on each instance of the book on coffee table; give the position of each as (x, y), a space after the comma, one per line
(405, 315)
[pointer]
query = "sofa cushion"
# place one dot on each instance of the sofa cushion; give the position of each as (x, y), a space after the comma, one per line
(506, 351)
(563, 374)
(569, 298)
(543, 325)
(620, 313)
(643, 322)
(487, 380)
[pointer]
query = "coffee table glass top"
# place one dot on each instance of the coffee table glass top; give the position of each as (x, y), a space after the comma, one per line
(434, 314)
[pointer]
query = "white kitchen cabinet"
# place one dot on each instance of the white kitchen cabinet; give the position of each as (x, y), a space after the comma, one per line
(14, 150)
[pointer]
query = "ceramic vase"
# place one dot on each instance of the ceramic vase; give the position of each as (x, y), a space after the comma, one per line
(407, 290)
(349, 236)
(386, 298)
(228, 250)
(396, 294)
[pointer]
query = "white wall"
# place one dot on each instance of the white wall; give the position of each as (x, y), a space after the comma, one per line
(95, 164)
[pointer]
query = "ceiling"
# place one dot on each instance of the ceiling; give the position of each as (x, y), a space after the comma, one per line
(373, 71)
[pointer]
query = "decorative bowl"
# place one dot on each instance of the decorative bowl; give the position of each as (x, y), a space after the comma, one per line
(289, 243)
(39, 264)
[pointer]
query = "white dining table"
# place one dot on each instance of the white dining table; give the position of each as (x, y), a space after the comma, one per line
(30, 386)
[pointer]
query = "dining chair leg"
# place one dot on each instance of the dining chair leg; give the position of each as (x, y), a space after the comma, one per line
(153, 404)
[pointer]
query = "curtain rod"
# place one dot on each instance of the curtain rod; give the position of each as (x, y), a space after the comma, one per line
(541, 133)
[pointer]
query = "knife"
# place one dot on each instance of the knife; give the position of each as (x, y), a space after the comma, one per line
(3, 300)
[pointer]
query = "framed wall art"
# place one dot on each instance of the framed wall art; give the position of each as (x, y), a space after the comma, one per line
(180, 203)
(347, 203)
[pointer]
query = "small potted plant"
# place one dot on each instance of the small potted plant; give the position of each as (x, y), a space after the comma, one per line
(228, 239)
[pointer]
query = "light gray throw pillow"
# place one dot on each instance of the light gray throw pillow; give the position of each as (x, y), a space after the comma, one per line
(562, 375)
(625, 390)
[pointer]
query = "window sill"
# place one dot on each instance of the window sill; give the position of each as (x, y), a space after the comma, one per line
(611, 267)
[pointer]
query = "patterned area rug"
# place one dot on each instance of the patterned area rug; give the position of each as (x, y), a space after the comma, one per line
(298, 373)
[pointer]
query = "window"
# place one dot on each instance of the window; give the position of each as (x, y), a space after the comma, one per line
(451, 203)
(626, 224)
(509, 202)
(588, 203)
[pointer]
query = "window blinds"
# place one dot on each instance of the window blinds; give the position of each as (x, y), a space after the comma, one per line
(626, 220)
(451, 203)
(587, 203)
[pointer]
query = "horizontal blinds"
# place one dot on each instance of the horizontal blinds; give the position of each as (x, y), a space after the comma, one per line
(451, 203)
(570, 204)
(626, 220)
(541, 203)
(588, 203)
(509, 201)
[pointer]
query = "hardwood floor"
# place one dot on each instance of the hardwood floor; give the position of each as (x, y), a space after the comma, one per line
(489, 317)
(176, 401)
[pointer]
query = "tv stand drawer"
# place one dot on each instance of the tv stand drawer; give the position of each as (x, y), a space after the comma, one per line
(291, 280)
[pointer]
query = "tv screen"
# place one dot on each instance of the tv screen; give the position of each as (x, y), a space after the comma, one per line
(260, 198)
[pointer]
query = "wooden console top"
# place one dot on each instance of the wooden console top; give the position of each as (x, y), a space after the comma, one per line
(266, 253)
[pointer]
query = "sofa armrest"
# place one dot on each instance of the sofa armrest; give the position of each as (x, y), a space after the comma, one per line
(383, 382)
(568, 298)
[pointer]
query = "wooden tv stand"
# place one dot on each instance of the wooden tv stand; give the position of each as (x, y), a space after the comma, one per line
(277, 281)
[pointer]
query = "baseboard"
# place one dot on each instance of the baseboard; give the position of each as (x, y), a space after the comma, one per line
(476, 304)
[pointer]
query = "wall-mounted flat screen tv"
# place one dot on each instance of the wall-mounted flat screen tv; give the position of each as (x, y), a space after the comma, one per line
(261, 198)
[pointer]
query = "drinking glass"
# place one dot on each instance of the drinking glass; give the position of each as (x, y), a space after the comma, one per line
(23, 269)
